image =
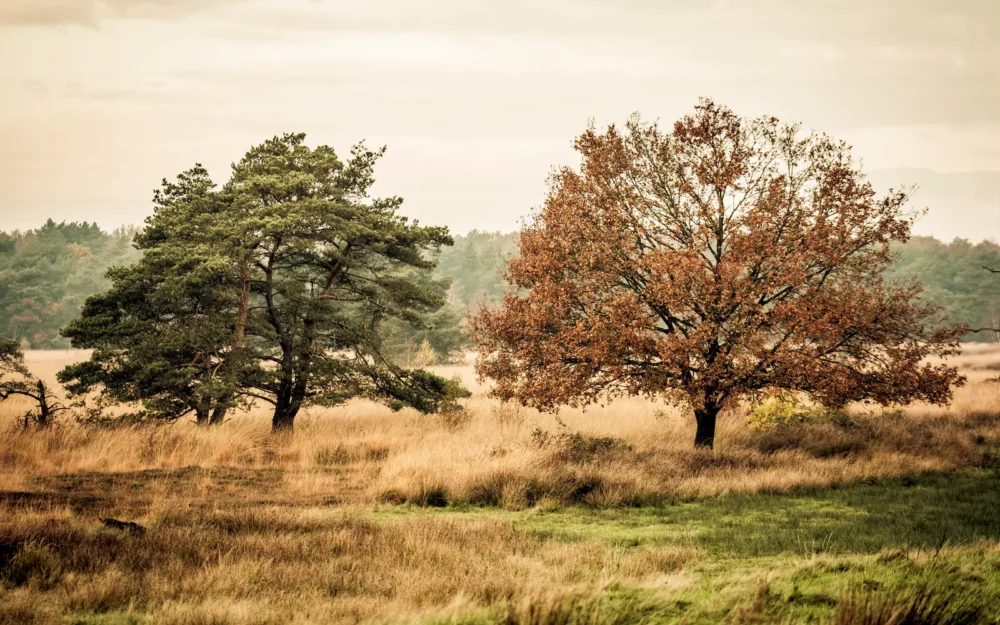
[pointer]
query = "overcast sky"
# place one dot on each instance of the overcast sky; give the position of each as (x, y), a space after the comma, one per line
(478, 100)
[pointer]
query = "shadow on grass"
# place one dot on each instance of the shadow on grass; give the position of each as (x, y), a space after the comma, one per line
(130, 493)
(924, 512)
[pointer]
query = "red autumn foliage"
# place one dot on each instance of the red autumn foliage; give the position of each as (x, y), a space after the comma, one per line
(727, 258)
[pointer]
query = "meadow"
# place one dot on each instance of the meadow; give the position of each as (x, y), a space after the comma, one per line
(505, 515)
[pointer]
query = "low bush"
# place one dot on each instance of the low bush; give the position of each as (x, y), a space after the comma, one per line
(429, 496)
(565, 486)
(783, 411)
(783, 423)
(579, 448)
(820, 440)
(774, 412)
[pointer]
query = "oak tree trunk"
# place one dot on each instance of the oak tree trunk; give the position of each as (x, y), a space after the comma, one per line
(705, 435)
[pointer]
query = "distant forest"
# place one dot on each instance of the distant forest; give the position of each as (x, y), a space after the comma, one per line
(47, 273)
(954, 277)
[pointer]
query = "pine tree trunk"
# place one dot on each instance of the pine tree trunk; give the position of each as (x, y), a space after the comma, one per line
(295, 381)
(283, 419)
(235, 360)
(705, 435)
(288, 405)
(219, 413)
(202, 414)
(239, 332)
(285, 408)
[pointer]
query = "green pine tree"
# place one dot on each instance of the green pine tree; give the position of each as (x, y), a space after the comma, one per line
(273, 288)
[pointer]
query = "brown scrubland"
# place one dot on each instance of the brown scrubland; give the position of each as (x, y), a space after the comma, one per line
(630, 451)
(336, 522)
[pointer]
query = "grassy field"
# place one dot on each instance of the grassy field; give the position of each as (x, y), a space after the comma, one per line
(508, 516)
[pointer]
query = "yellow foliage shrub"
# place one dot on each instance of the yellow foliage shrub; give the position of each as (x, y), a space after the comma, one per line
(775, 412)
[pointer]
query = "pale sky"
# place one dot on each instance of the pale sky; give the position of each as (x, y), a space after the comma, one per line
(478, 100)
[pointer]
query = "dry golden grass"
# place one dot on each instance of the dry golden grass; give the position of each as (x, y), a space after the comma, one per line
(514, 457)
(312, 565)
(247, 528)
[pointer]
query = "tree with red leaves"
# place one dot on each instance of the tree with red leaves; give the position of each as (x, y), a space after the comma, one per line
(729, 258)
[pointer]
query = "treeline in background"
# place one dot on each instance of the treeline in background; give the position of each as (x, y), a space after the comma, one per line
(47, 273)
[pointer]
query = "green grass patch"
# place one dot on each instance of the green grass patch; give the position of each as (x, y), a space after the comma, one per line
(923, 512)
(927, 540)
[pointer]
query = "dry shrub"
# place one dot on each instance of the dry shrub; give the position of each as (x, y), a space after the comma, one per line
(493, 489)
(581, 448)
(392, 497)
(705, 462)
(820, 440)
(456, 418)
(509, 414)
(429, 495)
(425, 356)
(515, 490)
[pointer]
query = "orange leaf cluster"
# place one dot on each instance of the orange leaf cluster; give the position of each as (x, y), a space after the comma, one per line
(724, 258)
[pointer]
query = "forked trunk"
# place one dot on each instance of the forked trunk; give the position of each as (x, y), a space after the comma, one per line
(705, 435)
(286, 408)
(294, 383)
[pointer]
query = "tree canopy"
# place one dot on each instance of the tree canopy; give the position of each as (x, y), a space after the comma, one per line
(38, 297)
(726, 258)
(273, 288)
(160, 333)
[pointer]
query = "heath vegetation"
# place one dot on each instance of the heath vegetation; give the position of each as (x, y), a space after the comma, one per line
(268, 417)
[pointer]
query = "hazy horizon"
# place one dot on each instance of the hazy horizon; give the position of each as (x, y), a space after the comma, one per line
(104, 98)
